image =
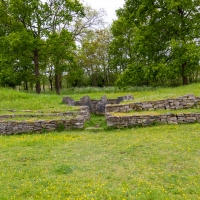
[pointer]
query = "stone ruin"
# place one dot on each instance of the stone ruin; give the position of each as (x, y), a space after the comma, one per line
(114, 119)
(183, 102)
(111, 109)
(96, 106)
(68, 120)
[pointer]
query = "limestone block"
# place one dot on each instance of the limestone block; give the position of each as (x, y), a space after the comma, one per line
(189, 104)
(37, 128)
(100, 107)
(77, 103)
(172, 122)
(147, 106)
(163, 116)
(132, 106)
(191, 96)
(191, 119)
(124, 98)
(68, 100)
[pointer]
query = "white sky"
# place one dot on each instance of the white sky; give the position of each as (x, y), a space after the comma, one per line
(108, 5)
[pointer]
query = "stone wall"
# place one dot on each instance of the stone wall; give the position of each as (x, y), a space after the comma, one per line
(14, 126)
(144, 120)
(95, 106)
(186, 101)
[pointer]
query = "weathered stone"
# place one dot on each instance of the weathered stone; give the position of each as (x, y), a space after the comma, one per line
(86, 101)
(13, 127)
(77, 103)
(172, 122)
(147, 106)
(68, 100)
(100, 107)
(124, 98)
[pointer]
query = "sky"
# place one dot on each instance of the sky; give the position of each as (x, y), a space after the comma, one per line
(108, 5)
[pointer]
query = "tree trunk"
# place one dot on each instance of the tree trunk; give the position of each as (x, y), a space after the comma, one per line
(43, 85)
(51, 84)
(108, 78)
(37, 72)
(60, 80)
(184, 76)
(26, 86)
(51, 81)
(57, 85)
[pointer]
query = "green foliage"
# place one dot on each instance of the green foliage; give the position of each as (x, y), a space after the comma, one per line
(158, 42)
(28, 27)
(133, 75)
(93, 57)
(60, 127)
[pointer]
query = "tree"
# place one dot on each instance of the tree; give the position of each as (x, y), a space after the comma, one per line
(29, 23)
(93, 57)
(120, 49)
(60, 48)
(93, 20)
(84, 31)
(164, 43)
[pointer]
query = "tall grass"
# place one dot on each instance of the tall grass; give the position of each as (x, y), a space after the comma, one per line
(140, 93)
(87, 90)
(83, 90)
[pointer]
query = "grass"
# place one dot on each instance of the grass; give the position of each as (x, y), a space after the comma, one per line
(35, 118)
(143, 93)
(145, 163)
(157, 112)
(96, 122)
(14, 100)
(160, 162)
(11, 99)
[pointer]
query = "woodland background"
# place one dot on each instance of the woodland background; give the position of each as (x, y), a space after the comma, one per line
(57, 44)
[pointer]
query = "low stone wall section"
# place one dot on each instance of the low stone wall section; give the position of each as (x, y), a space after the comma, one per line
(14, 126)
(96, 106)
(145, 120)
(186, 101)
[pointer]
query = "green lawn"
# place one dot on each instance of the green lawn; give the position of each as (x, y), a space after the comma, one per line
(147, 163)
(159, 162)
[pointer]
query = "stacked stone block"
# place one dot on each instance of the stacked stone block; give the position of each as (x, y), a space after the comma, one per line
(75, 122)
(144, 120)
(183, 102)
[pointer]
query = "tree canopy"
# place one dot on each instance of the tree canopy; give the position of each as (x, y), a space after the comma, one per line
(152, 42)
(28, 24)
(160, 38)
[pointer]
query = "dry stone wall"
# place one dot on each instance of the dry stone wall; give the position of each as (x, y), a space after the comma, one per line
(73, 122)
(144, 120)
(186, 101)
